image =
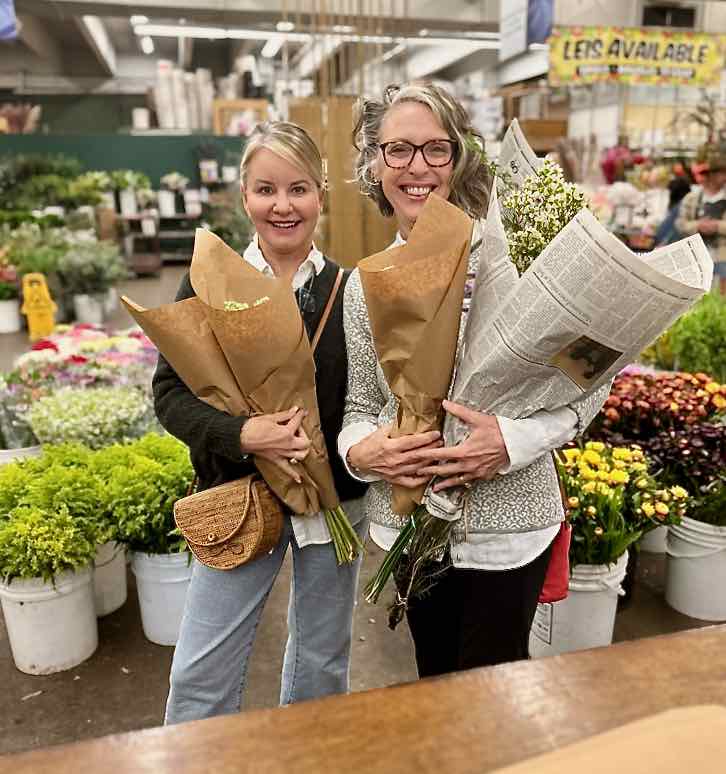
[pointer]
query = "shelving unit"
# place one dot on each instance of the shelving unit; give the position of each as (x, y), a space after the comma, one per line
(145, 253)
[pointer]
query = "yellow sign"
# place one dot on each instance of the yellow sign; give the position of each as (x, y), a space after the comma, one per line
(634, 55)
(38, 306)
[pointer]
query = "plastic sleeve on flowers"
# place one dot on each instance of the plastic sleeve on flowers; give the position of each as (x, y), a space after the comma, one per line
(528, 439)
(349, 436)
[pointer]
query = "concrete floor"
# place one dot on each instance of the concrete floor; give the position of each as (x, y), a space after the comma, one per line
(123, 686)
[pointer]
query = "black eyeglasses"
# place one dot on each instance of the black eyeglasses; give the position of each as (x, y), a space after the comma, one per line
(436, 153)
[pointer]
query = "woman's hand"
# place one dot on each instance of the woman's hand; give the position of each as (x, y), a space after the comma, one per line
(396, 460)
(479, 458)
(278, 438)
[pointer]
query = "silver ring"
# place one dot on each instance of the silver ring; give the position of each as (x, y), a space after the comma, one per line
(293, 460)
(462, 480)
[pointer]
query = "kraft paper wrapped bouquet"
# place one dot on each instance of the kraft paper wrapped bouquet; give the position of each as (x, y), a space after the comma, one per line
(241, 346)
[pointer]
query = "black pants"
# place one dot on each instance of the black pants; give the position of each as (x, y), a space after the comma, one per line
(474, 618)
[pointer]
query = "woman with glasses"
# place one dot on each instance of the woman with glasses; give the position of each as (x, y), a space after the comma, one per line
(416, 140)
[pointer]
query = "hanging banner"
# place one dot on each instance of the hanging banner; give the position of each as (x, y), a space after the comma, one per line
(8, 22)
(634, 55)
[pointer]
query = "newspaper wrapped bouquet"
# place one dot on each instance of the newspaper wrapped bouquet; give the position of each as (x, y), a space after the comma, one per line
(240, 345)
(584, 307)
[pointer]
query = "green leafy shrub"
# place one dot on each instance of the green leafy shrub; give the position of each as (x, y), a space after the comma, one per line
(698, 339)
(144, 482)
(37, 544)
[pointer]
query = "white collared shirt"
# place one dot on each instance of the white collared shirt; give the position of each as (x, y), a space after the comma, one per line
(308, 529)
(313, 263)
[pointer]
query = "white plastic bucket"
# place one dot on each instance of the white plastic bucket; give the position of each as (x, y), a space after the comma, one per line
(161, 581)
(10, 321)
(141, 118)
(654, 542)
(11, 455)
(128, 203)
(90, 309)
(585, 619)
(696, 570)
(167, 203)
(50, 627)
(109, 578)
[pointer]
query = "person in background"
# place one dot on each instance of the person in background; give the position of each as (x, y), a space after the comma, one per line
(678, 187)
(282, 192)
(413, 141)
(703, 211)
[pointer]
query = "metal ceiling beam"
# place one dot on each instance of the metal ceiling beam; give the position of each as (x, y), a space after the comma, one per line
(262, 12)
(36, 37)
(94, 33)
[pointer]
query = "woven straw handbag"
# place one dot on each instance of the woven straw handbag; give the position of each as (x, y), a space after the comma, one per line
(230, 524)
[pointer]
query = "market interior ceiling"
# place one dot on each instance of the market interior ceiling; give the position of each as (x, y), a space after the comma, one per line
(92, 45)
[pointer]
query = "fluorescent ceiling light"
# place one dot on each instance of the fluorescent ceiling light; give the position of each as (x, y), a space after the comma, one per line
(284, 26)
(270, 49)
(395, 51)
(222, 33)
(147, 45)
(343, 28)
(135, 20)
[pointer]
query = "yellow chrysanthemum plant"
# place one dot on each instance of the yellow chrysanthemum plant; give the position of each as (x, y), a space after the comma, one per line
(613, 499)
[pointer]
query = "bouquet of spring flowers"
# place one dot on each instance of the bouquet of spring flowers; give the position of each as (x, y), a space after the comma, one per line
(559, 306)
(613, 499)
(240, 345)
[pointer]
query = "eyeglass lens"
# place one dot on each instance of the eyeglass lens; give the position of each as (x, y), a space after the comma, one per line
(436, 153)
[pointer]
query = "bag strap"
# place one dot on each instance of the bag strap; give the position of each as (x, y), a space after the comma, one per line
(327, 310)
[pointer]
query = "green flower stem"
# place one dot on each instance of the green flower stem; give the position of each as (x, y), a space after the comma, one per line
(345, 539)
(376, 585)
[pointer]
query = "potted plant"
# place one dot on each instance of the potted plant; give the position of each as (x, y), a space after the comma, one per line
(64, 475)
(695, 458)
(17, 440)
(89, 272)
(45, 588)
(612, 500)
(171, 194)
(145, 480)
(125, 183)
(10, 321)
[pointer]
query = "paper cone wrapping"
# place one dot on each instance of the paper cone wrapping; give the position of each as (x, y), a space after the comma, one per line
(252, 361)
(414, 296)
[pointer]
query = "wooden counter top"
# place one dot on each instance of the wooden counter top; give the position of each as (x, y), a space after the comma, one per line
(472, 722)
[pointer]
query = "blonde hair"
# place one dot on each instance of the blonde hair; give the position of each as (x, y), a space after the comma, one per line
(470, 179)
(289, 141)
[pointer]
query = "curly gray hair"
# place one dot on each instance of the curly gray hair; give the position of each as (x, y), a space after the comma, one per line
(470, 179)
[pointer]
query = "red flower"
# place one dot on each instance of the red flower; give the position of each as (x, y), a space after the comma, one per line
(77, 359)
(44, 344)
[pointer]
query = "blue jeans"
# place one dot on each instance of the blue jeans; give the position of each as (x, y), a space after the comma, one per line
(223, 609)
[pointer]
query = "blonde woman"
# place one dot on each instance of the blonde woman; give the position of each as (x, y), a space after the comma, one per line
(282, 192)
(417, 139)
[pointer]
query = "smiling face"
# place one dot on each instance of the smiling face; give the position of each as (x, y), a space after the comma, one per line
(407, 189)
(282, 202)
